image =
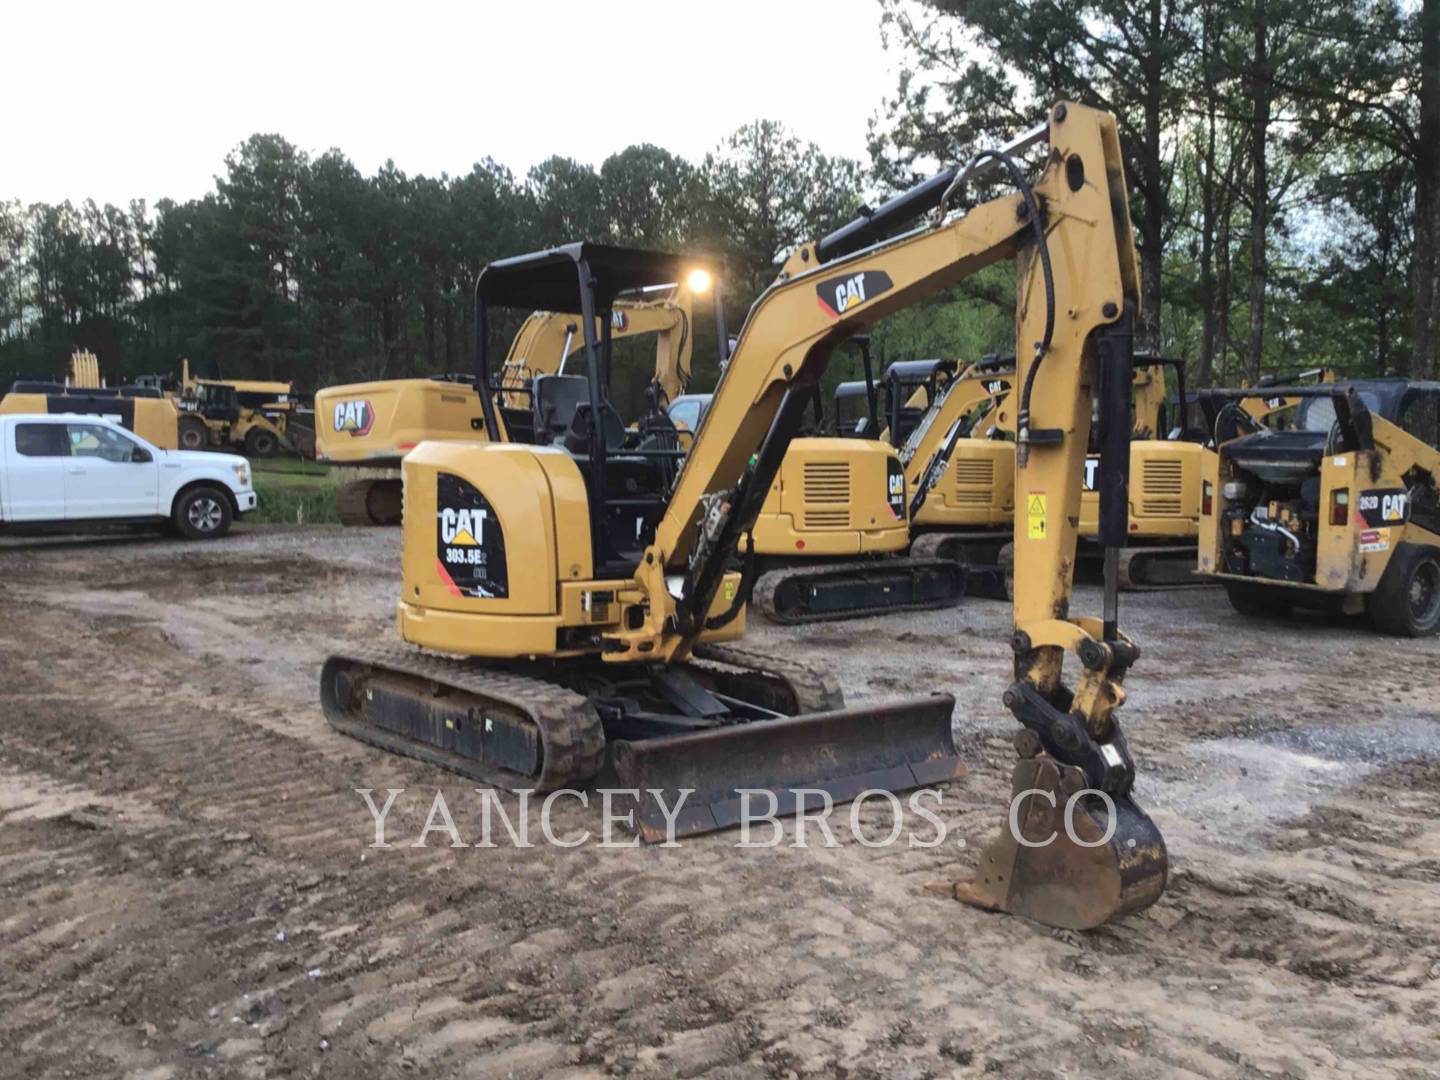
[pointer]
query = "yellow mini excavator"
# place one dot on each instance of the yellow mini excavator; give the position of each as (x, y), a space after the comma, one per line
(830, 538)
(592, 595)
(373, 425)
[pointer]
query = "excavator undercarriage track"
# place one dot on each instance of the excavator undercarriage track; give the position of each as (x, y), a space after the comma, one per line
(370, 502)
(746, 724)
(817, 592)
(486, 723)
(1169, 567)
(983, 555)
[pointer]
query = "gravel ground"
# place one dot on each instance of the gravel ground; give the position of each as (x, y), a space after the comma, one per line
(186, 887)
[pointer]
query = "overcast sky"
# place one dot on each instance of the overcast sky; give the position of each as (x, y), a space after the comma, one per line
(138, 98)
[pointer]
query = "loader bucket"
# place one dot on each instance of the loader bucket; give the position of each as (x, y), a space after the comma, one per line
(895, 746)
(1061, 882)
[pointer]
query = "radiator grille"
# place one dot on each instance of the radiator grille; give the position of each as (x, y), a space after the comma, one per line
(827, 482)
(975, 472)
(1161, 485)
(827, 495)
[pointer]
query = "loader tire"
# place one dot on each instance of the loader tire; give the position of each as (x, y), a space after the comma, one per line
(260, 443)
(1407, 601)
(193, 434)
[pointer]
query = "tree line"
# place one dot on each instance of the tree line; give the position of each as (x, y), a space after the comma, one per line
(1283, 159)
(302, 268)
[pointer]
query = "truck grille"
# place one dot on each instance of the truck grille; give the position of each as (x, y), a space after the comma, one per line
(1161, 485)
(827, 485)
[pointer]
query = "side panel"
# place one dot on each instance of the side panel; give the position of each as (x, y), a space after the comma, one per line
(378, 423)
(833, 497)
(1164, 490)
(481, 528)
(978, 489)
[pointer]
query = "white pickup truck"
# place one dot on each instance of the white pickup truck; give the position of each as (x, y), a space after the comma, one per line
(65, 472)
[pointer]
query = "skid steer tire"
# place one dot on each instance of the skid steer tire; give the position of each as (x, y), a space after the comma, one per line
(260, 443)
(1257, 601)
(1407, 601)
(193, 434)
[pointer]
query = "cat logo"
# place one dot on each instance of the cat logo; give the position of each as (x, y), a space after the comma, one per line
(463, 528)
(1382, 507)
(619, 320)
(839, 295)
(356, 417)
(994, 386)
(1092, 467)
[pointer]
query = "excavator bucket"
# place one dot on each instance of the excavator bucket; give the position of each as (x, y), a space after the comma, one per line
(894, 746)
(1076, 878)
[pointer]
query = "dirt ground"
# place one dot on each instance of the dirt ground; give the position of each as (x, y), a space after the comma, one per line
(186, 887)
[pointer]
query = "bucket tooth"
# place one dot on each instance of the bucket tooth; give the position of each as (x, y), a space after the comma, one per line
(894, 746)
(1036, 869)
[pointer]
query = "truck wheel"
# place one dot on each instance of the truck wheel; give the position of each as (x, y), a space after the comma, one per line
(1407, 601)
(1254, 601)
(194, 435)
(261, 443)
(202, 513)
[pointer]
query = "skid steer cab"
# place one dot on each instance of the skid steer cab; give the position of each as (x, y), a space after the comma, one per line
(1338, 513)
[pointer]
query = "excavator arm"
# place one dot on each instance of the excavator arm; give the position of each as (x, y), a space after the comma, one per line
(548, 338)
(1078, 294)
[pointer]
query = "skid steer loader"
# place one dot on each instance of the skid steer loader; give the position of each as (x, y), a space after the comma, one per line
(595, 598)
(1341, 512)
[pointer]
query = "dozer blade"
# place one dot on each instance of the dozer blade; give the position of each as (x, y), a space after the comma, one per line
(894, 747)
(1058, 881)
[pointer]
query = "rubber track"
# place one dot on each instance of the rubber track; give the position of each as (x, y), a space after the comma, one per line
(763, 597)
(572, 738)
(815, 690)
(1130, 556)
(352, 503)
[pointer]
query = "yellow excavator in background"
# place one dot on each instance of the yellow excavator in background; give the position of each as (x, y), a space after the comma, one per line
(830, 539)
(145, 411)
(373, 425)
(592, 594)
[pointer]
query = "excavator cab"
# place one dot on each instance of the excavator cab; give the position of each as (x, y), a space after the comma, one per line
(627, 471)
(910, 386)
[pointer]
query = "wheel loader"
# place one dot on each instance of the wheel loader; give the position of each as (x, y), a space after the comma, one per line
(596, 601)
(373, 425)
(1339, 513)
(257, 417)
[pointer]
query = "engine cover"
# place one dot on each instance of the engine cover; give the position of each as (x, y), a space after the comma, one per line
(492, 528)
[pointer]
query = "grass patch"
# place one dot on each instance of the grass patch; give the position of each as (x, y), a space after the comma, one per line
(295, 492)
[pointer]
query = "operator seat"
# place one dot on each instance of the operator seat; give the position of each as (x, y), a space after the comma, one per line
(557, 400)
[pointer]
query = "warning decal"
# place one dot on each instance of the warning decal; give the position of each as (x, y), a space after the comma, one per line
(470, 544)
(1037, 517)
